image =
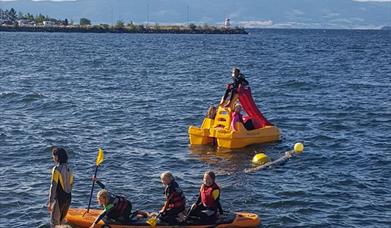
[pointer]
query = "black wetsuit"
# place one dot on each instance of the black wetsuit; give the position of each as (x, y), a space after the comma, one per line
(232, 88)
(60, 193)
(117, 211)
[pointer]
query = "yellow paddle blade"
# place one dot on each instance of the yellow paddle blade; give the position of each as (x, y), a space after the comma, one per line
(100, 157)
(152, 221)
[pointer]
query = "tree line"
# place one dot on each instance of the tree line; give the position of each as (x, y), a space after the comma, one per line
(10, 18)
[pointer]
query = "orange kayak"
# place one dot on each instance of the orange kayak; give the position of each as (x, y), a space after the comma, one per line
(77, 217)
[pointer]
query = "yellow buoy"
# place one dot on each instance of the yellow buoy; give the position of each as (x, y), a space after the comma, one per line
(260, 159)
(298, 148)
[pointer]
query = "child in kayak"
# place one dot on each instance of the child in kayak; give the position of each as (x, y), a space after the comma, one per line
(61, 187)
(117, 209)
(208, 207)
(174, 207)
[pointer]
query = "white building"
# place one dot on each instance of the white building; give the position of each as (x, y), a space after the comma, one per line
(24, 23)
(48, 23)
(227, 23)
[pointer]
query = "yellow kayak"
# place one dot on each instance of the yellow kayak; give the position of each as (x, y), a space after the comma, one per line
(79, 218)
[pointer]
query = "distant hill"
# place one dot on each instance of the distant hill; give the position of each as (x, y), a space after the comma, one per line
(386, 28)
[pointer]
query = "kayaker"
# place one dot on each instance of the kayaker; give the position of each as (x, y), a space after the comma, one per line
(238, 80)
(116, 209)
(208, 207)
(61, 187)
(237, 117)
(173, 209)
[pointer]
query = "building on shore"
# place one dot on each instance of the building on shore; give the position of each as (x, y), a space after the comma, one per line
(49, 23)
(227, 23)
(6, 23)
(24, 22)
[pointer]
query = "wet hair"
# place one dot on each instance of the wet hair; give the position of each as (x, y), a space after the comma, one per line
(211, 112)
(237, 105)
(211, 174)
(61, 154)
(167, 174)
(236, 69)
(103, 193)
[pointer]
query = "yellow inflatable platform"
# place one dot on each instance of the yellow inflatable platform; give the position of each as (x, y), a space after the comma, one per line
(218, 130)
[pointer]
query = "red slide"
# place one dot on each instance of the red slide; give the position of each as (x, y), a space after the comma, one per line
(248, 104)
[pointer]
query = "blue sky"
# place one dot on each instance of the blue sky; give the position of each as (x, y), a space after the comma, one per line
(351, 14)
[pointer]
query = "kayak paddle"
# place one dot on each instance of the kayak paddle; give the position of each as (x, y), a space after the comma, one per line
(153, 220)
(99, 160)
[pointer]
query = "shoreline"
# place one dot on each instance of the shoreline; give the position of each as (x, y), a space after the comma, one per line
(122, 30)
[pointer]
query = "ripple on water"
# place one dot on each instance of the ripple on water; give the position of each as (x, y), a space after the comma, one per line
(136, 94)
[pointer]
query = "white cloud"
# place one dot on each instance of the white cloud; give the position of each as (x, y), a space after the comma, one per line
(297, 12)
(255, 24)
(293, 24)
(332, 15)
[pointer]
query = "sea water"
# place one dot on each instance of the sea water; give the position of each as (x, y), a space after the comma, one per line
(135, 95)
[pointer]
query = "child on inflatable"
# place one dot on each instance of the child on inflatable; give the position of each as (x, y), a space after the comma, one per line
(117, 209)
(60, 188)
(237, 117)
(174, 207)
(208, 207)
(232, 88)
(211, 114)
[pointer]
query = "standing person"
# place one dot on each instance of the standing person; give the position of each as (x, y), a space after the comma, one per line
(61, 187)
(208, 206)
(175, 203)
(238, 80)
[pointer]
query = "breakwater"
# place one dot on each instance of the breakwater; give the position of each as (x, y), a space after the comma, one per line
(136, 29)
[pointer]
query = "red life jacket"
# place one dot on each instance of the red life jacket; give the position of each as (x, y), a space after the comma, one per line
(178, 199)
(207, 196)
(120, 204)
